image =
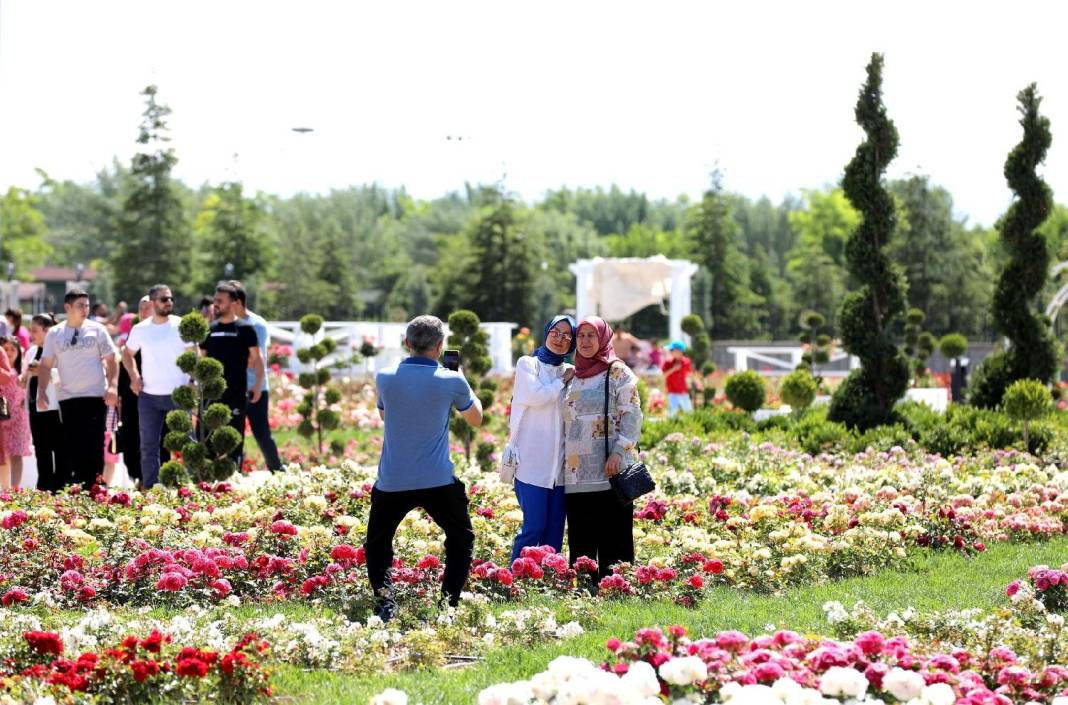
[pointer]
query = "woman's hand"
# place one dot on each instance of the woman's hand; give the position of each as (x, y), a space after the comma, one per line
(611, 467)
(569, 374)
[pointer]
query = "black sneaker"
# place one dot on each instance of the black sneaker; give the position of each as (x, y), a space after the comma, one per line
(386, 611)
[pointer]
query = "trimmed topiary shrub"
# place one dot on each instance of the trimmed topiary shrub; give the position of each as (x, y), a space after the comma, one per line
(205, 448)
(1032, 353)
(700, 342)
(746, 390)
(319, 418)
(819, 344)
(953, 346)
(1026, 400)
(466, 335)
(867, 315)
(798, 389)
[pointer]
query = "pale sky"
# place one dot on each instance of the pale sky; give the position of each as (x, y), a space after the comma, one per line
(649, 96)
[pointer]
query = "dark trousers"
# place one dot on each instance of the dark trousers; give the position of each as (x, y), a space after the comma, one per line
(261, 431)
(601, 528)
(53, 471)
(447, 506)
(238, 404)
(152, 411)
(83, 433)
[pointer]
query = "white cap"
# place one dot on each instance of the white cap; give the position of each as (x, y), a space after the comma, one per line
(144, 300)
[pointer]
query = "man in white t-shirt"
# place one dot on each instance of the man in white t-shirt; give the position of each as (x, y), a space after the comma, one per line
(158, 341)
(84, 354)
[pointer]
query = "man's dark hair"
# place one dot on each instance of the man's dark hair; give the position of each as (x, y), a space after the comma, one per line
(205, 301)
(424, 333)
(242, 295)
(75, 294)
(156, 288)
(228, 289)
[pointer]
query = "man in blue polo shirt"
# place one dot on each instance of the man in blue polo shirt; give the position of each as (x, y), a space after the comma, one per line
(416, 399)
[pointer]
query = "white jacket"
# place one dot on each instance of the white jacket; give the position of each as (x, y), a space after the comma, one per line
(537, 423)
(53, 402)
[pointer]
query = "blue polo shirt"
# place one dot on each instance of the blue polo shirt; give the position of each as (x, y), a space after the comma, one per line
(418, 396)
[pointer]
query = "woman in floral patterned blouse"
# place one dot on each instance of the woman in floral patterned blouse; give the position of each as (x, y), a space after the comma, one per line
(599, 526)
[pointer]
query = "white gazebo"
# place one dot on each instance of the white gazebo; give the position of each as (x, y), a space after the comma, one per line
(615, 288)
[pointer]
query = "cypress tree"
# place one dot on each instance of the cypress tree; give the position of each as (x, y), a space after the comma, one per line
(1032, 353)
(867, 314)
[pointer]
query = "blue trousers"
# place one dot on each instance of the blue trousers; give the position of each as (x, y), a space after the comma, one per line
(543, 517)
(152, 410)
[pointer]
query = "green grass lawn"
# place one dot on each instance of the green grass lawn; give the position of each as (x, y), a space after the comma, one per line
(939, 582)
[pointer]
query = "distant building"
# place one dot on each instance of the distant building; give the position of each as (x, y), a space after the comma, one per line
(49, 286)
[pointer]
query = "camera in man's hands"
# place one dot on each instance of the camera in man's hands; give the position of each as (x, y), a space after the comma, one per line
(450, 359)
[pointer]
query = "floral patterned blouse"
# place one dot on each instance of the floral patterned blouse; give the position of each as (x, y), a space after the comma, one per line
(584, 457)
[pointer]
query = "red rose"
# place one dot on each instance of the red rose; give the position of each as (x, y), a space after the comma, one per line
(44, 642)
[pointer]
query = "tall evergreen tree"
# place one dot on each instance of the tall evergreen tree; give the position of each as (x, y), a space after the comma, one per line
(1032, 353)
(229, 230)
(867, 314)
(733, 310)
(153, 236)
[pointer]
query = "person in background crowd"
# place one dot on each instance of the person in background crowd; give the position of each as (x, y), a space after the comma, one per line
(88, 383)
(537, 428)
(100, 314)
(207, 308)
(677, 371)
(656, 354)
(416, 399)
(160, 344)
(115, 319)
(130, 438)
(599, 526)
(234, 344)
(16, 428)
(15, 327)
(46, 430)
(626, 346)
(258, 412)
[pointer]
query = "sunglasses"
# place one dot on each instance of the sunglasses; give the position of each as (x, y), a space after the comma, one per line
(165, 299)
(74, 338)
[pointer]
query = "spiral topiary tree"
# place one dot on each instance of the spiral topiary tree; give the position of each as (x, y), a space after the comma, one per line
(866, 317)
(202, 449)
(1032, 351)
(319, 418)
(466, 335)
(919, 344)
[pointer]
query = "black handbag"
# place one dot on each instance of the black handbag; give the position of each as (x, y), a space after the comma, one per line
(5, 412)
(633, 481)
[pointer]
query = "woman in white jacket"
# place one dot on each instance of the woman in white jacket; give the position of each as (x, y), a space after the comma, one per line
(537, 433)
(53, 473)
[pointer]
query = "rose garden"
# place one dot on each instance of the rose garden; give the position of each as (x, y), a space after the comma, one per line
(867, 549)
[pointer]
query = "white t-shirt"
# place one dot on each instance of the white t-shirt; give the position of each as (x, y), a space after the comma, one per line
(160, 345)
(78, 354)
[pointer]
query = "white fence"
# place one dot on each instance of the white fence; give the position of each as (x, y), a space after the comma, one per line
(350, 335)
(780, 360)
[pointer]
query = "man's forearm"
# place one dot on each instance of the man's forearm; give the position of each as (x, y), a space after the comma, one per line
(112, 371)
(130, 363)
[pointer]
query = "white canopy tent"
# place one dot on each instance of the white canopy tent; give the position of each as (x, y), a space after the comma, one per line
(615, 288)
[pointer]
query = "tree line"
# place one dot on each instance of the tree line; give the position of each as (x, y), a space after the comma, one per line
(369, 252)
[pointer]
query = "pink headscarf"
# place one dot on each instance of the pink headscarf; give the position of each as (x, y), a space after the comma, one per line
(606, 354)
(125, 326)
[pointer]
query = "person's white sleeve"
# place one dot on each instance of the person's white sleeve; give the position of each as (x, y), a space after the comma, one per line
(133, 341)
(529, 390)
(49, 346)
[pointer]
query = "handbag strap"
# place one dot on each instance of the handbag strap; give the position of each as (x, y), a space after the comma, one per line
(607, 379)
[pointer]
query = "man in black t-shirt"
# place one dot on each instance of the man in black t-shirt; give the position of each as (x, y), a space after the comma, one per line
(235, 345)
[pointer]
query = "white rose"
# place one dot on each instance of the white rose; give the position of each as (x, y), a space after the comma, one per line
(840, 681)
(903, 685)
(939, 694)
(390, 696)
(641, 679)
(684, 671)
(518, 693)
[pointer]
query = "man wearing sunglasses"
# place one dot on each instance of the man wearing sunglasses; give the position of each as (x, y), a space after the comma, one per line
(160, 344)
(84, 354)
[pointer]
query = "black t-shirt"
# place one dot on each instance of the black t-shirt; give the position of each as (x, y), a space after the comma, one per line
(229, 343)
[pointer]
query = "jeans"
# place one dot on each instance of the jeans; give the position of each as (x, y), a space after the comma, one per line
(152, 411)
(447, 506)
(83, 433)
(679, 402)
(261, 431)
(601, 528)
(543, 517)
(53, 471)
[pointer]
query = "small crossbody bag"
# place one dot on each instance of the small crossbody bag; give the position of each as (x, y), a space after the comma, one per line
(633, 481)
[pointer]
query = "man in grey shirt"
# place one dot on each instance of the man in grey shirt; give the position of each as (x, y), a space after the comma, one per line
(85, 355)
